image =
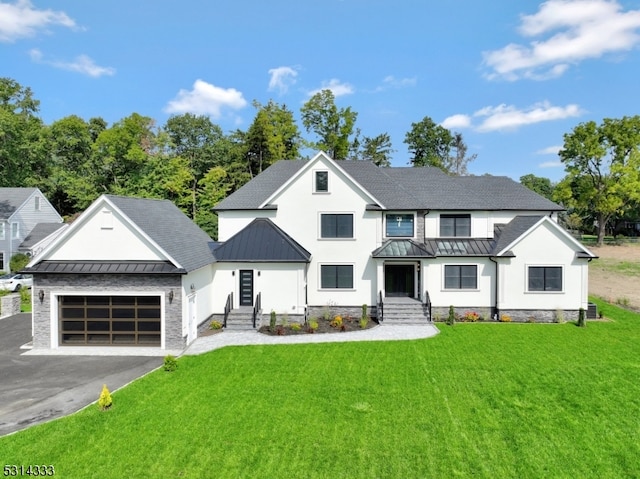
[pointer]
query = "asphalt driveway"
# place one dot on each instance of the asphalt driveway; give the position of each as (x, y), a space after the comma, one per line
(35, 389)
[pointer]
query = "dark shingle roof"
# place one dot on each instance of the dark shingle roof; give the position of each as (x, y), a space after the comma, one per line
(513, 230)
(11, 199)
(170, 228)
(404, 188)
(40, 232)
(262, 241)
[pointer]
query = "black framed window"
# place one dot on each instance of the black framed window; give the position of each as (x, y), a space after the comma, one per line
(336, 276)
(399, 225)
(455, 225)
(545, 278)
(461, 276)
(322, 182)
(336, 225)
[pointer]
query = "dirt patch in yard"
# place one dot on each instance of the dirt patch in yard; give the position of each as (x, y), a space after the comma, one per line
(615, 275)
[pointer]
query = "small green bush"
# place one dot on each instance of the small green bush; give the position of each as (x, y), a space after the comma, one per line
(313, 325)
(364, 311)
(296, 326)
(581, 318)
(215, 325)
(364, 321)
(170, 363)
(451, 319)
(105, 401)
(272, 320)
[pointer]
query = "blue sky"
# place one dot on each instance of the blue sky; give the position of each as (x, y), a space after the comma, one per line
(512, 77)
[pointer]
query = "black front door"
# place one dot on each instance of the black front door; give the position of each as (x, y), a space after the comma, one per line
(399, 280)
(246, 287)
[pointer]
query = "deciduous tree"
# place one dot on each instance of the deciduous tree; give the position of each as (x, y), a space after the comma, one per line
(429, 144)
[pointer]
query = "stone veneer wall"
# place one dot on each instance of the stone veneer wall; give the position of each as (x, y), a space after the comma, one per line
(9, 304)
(101, 284)
(516, 315)
(353, 311)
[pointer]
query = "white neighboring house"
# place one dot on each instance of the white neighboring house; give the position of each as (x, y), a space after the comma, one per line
(393, 237)
(21, 209)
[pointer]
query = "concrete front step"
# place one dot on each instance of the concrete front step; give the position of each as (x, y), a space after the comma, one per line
(405, 314)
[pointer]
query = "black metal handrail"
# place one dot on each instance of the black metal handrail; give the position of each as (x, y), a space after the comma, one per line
(380, 311)
(257, 307)
(227, 308)
(427, 303)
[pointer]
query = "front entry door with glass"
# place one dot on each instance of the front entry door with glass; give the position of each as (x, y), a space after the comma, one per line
(399, 280)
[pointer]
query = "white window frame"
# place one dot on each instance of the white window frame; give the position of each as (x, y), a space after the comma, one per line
(315, 183)
(15, 230)
(353, 276)
(330, 238)
(36, 203)
(2, 230)
(444, 277)
(526, 283)
(455, 215)
(403, 213)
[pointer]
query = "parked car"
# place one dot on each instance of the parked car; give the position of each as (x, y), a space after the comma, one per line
(13, 282)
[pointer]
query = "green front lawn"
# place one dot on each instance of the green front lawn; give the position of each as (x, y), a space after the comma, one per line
(482, 400)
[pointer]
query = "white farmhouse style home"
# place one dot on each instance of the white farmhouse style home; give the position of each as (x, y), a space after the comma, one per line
(302, 238)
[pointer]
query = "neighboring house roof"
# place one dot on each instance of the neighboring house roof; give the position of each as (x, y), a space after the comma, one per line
(401, 249)
(40, 232)
(406, 188)
(13, 198)
(262, 241)
(169, 228)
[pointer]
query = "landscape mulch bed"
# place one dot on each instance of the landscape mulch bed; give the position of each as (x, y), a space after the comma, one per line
(324, 327)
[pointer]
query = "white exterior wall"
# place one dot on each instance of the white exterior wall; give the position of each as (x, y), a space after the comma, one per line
(483, 296)
(482, 222)
(197, 286)
(281, 286)
(101, 239)
(231, 222)
(543, 247)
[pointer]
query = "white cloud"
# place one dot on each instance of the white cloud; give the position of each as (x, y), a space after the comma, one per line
(550, 164)
(21, 19)
(457, 121)
(508, 117)
(282, 78)
(549, 150)
(336, 87)
(566, 32)
(206, 99)
(81, 64)
(394, 82)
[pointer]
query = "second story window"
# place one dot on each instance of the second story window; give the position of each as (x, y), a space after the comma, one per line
(1, 233)
(399, 225)
(336, 225)
(455, 225)
(15, 230)
(321, 182)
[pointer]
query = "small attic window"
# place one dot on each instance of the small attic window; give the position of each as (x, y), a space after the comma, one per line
(107, 220)
(321, 184)
(36, 203)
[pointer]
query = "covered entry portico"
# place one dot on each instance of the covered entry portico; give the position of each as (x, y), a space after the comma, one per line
(400, 271)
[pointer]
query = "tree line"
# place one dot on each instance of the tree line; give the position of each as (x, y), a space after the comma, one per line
(188, 160)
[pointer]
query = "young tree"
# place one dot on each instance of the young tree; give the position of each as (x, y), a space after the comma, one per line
(429, 144)
(458, 163)
(333, 126)
(377, 149)
(603, 169)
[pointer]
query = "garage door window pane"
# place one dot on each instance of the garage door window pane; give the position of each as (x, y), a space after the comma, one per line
(148, 301)
(123, 300)
(123, 326)
(98, 325)
(151, 313)
(68, 313)
(98, 300)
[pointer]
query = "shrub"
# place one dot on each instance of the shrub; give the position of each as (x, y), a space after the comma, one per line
(105, 401)
(272, 320)
(559, 316)
(296, 326)
(471, 316)
(581, 318)
(364, 321)
(170, 363)
(280, 330)
(505, 318)
(313, 325)
(284, 321)
(451, 319)
(364, 311)
(215, 325)
(336, 322)
(18, 261)
(531, 319)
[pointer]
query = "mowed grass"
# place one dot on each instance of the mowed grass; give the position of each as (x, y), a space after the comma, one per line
(478, 400)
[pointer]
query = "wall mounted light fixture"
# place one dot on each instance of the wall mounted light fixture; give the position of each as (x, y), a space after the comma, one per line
(41, 296)
(171, 296)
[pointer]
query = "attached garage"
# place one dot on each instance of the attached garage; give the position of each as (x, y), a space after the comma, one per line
(110, 320)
